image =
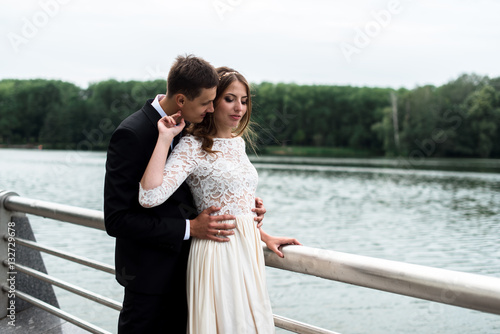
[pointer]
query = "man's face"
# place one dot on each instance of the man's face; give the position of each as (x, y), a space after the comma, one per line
(195, 110)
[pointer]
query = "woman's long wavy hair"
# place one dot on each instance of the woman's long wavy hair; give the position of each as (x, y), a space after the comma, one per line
(207, 129)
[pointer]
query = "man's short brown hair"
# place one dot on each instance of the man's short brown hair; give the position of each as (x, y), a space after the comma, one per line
(189, 75)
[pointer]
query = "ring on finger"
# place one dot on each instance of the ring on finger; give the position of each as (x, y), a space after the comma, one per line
(218, 233)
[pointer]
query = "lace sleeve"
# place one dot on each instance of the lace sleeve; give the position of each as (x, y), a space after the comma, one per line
(179, 165)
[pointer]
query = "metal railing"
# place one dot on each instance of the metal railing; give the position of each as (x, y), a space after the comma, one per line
(466, 290)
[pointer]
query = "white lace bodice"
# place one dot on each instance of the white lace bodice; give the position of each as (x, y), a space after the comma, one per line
(225, 179)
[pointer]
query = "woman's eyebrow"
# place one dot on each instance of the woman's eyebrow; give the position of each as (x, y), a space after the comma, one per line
(236, 96)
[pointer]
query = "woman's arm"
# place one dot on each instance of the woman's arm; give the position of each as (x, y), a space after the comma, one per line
(167, 177)
(167, 129)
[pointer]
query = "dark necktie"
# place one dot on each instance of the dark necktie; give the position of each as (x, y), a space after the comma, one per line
(174, 143)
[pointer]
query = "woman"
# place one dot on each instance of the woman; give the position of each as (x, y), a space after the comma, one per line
(226, 281)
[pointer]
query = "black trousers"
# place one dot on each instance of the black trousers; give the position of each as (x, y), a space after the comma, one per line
(151, 314)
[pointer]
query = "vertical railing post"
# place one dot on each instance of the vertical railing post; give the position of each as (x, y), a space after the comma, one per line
(6, 252)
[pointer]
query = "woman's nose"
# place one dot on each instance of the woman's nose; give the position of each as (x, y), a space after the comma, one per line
(238, 106)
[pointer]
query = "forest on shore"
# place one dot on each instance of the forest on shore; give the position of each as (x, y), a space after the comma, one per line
(458, 119)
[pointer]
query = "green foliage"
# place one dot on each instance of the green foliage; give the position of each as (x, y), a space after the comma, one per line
(30, 108)
(483, 120)
(318, 115)
(458, 119)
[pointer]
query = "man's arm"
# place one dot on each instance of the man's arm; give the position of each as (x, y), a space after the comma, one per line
(123, 217)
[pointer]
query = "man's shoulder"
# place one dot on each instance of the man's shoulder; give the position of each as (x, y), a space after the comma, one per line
(137, 130)
(133, 121)
(144, 117)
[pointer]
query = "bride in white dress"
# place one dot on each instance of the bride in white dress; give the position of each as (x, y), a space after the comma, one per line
(226, 284)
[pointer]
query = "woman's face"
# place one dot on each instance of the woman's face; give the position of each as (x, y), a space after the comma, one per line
(231, 107)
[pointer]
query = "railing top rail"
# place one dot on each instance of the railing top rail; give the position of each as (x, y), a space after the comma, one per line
(466, 290)
(62, 212)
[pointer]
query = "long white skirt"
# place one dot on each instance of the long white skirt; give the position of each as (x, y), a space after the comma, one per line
(226, 284)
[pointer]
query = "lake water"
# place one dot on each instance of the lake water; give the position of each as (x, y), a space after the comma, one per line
(440, 218)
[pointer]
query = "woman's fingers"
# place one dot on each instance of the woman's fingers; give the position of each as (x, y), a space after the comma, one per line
(168, 121)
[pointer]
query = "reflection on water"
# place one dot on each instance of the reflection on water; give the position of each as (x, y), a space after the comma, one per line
(441, 219)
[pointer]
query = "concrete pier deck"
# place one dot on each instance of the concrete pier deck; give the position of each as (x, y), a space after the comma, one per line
(34, 320)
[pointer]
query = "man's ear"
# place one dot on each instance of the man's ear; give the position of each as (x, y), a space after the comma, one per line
(180, 99)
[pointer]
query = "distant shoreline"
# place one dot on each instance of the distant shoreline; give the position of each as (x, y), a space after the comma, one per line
(287, 153)
(23, 146)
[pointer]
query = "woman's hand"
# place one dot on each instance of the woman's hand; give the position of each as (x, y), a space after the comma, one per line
(276, 243)
(260, 210)
(171, 126)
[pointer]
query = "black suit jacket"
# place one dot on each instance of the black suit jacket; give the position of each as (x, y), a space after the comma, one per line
(150, 254)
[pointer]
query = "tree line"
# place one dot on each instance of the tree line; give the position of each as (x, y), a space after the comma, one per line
(458, 119)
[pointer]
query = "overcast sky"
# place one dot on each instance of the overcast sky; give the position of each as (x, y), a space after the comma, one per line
(387, 43)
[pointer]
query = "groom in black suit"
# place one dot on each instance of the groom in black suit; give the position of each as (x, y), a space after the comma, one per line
(152, 245)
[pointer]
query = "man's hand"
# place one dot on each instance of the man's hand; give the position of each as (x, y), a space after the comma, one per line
(260, 211)
(276, 243)
(208, 227)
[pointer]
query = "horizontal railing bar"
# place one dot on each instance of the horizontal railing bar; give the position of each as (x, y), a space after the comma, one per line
(58, 312)
(68, 256)
(466, 290)
(279, 321)
(298, 327)
(70, 287)
(65, 213)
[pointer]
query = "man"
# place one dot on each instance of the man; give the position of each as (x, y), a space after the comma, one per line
(152, 245)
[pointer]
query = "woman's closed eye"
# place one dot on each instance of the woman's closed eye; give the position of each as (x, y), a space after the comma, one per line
(230, 99)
